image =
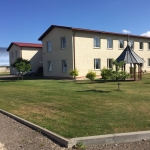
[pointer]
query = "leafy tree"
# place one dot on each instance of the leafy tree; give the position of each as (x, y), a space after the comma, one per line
(74, 73)
(22, 66)
(119, 74)
(106, 73)
(91, 75)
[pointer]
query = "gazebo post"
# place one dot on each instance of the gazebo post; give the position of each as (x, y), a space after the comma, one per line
(131, 69)
(134, 72)
(138, 71)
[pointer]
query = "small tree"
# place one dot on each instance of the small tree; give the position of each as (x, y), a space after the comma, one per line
(118, 74)
(74, 73)
(91, 75)
(106, 73)
(22, 66)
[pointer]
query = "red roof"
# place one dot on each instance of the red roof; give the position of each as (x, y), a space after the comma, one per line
(20, 44)
(86, 30)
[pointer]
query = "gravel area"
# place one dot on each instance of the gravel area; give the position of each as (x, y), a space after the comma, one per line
(16, 136)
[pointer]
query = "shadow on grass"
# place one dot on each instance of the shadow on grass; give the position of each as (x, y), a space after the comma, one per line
(98, 91)
(8, 80)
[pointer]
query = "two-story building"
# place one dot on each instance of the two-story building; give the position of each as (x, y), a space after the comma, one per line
(29, 51)
(66, 48)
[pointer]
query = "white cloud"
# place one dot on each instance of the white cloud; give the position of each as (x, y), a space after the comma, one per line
(126, 31)
(146, 33)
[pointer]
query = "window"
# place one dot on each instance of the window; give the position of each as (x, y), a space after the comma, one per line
(49, 46)
(96, 64)
(12, 54)
(96, 42)
(63, 43)
(131, 44)
(109, 63)
(64, 65)
(148, 62)
(141, 45)
(121, 44)
(49, 64)
(109, 43)
(148, 45)
(16, 54)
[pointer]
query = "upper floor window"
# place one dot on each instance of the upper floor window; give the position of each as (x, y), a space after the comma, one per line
(64, 65)
(96, 64)
(49, 63)
(140, 45)
(96, 42)
(131, 44)
(109, 43)
(109, 63)
(49, 46)
(63, 42)
(16, 54)
(121, 43)
(148, 45)
(12, 54)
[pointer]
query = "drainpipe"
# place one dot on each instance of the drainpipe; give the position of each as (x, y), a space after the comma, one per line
(74, 48)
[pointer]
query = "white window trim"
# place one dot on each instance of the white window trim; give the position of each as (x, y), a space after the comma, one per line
(133, 44)
(50, 46)
(108, 63)
(94, 43)
(111, 43)
(139, 45)
(61, 43)
(99, 63)
(49, 68)
(119, 44)
(62, 65)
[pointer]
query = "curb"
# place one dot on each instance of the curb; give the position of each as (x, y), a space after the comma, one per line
(87, 141)
(66, 142)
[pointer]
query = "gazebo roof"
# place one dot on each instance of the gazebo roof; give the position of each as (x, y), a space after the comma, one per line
(129, 56)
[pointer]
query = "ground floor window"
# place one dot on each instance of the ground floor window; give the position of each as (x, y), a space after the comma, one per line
(109, 63)
(49, 63)
(148, 62)
(96, 63)
(64, 65)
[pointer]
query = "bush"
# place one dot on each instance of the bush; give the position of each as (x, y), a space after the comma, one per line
(106, 73)
(91, 75)
(74, 73)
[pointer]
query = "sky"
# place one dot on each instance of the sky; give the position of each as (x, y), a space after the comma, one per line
(27, 20)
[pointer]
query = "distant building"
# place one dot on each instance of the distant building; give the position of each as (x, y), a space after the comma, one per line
(29, 51)
(4, 60)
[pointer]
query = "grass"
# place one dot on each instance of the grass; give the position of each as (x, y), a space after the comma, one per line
(4, 73)
(81, 109)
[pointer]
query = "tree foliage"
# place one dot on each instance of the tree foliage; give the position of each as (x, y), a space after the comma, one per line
(106, 73)
(91, 75)
(74, 73)
(22, 66)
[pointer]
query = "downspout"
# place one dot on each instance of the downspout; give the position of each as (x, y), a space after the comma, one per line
(74, 49)
(21, 53)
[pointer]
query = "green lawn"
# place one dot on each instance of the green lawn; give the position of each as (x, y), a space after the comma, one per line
(81, 109)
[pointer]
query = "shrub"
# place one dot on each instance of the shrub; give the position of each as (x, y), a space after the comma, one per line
(106, 73)
(74, 73)
(91, 75)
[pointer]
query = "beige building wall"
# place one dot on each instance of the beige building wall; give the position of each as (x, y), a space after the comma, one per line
(4, 69)
(85, 53)
(56, 55)
(34, 55)
(14, 53)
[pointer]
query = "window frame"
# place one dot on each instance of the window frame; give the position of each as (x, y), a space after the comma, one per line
(12, 54)
(140, 45)
(16, 54)
(94, 42)
(62, 67)
(63, 46)
(96, 65)
(148, 45)
(148, 62)
(132, 44)
(49, 66)
(108, 63)
(119, 43)
(49, 46)
(108, 39)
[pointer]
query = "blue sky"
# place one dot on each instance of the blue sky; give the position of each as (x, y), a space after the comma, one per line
(26, 20)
